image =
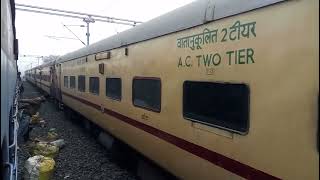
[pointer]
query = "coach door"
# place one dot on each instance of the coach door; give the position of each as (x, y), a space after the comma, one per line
(40, 79)
(58, 76)
(37, 78)
(53, 80)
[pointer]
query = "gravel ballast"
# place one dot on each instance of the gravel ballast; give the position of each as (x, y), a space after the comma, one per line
(82, 157)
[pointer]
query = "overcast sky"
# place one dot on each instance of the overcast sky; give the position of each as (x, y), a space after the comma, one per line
(33, 28)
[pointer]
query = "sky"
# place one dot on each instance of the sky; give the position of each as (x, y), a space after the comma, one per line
(33, 29)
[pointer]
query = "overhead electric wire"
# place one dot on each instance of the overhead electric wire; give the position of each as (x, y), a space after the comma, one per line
(36, 11)
(86, 17)
(75, 14)
(28, 55)
(71, 16)
(74, 34)
(57, 37)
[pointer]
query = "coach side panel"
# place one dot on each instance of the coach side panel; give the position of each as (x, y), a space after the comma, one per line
(279, 64)
(45, 79)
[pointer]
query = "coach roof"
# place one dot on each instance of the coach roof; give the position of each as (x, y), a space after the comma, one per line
(194, 14)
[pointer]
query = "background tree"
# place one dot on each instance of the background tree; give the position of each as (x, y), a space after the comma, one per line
(49, 58)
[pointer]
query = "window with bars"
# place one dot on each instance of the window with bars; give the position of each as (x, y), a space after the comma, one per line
(65, 81)
(82, 83)
(72, 82)
(147, 93)
(223, 105)
(94, 85)
(113, 88)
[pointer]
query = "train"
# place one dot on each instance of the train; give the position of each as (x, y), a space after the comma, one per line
(10, 85)
(212, 90)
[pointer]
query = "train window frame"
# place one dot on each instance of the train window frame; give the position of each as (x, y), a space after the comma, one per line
(66, 81)
(90, 89)
(72, 86)
(202, 119)
(160, 93)
(80, 83)
(106, 89)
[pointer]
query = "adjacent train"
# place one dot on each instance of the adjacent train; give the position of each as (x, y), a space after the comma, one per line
(212, 90)
(9, 91)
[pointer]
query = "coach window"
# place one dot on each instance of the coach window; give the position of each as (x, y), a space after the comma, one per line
(82, 83)
(65, 82)
(113, 88)
(72, 82)
(94, 85)
(146, 93)
(222, 105)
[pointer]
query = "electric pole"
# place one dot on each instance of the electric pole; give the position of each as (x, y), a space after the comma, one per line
(88, 20)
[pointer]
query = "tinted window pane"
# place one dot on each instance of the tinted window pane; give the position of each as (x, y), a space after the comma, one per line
(147, 93)
(82, 83)
(113, 88)
(222, 105)
(65, 81)
(72, 82)
(94, 85)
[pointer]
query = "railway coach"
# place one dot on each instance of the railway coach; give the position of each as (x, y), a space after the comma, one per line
(41, 76)
(10, 93)
(211, 90)
(31, 75)
(44, 80)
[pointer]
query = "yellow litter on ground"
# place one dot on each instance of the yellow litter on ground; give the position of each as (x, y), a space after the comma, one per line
(45, 149)
(35, 119)
(39, 168)
(52, 135)
(46, 168)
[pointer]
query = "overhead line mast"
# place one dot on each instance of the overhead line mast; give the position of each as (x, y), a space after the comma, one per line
(34, 56)
(87, 18)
